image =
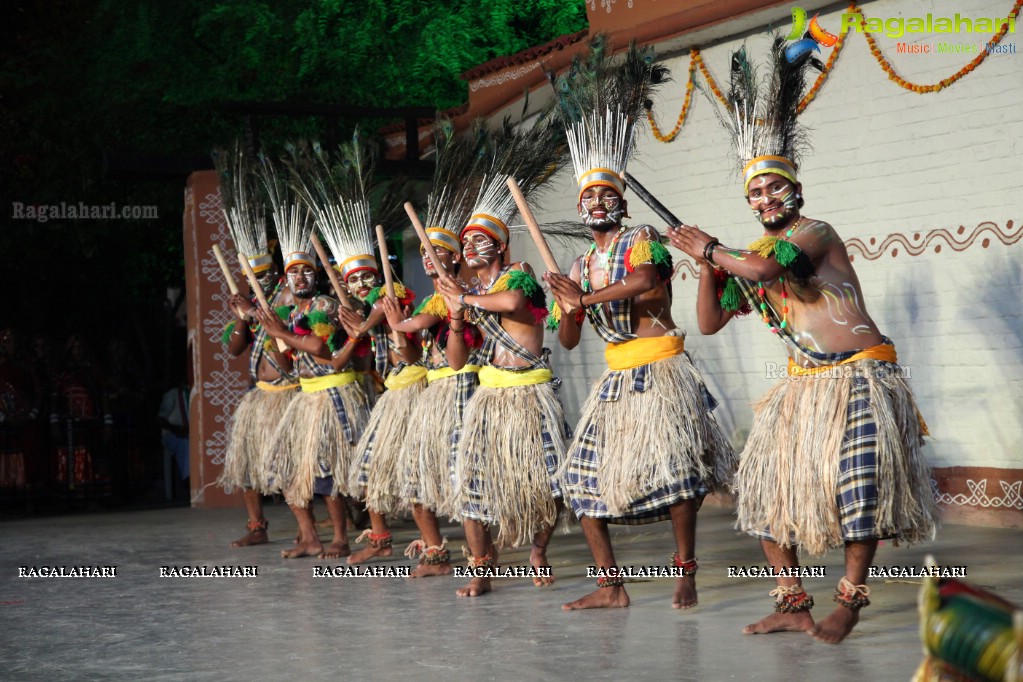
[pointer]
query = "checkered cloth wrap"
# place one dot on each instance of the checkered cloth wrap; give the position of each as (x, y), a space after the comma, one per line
(258, 352)
(869, 500)
(616, 390)
(475, 474)
(613, 320)
(378, 470)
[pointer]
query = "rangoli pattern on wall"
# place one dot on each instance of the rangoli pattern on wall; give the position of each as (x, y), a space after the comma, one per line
(977, 495)
(222, 388)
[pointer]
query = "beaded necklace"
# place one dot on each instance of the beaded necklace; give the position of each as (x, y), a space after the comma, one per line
(607, 260)
(784, 297)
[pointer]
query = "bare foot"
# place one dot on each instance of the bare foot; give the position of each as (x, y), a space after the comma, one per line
(367, 553)
(836, 626)
(253, 537)
(685, 592)
(801, 621)
(335, 550)
(538, 560)
(475, 588)
(601, 598)
(430, 570)
(311, 548)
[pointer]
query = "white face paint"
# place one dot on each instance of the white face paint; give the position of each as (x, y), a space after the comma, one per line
(480, 249)
(446, 258)
(772, 199)
(601, 208)
(302, 280)
(267, 279)
(361, 283)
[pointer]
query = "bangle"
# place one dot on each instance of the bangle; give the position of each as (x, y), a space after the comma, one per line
(581, 304)
(708, 250)
(461, 300)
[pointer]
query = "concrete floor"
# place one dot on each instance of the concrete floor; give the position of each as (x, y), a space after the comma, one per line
(286, 624)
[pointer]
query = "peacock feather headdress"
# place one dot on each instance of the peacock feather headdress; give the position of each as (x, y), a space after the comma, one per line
(243, 205)
(290, 216)
(600, 102)
(532, 155)
(456, 180)
(763, 116)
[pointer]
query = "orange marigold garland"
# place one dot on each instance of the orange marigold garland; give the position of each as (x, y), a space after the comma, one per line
(694, 55)
(944, 83)
(696, 61)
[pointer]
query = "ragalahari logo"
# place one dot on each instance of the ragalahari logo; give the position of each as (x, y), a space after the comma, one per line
(813, 37)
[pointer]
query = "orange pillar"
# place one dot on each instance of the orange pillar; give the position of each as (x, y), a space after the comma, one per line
(219, 379)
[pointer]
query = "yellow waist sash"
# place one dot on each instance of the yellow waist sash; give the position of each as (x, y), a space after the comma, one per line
(495, 377)
(275, 388)
(445, 372)
(315, 384)
(885, 352)
(639, 352)
(412, 374)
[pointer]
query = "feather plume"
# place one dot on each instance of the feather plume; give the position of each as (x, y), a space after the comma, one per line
(601, 101)
(762, 114)
(532, 155)
(456, 176)
(243, 206)
(338, 189)
(290, 216)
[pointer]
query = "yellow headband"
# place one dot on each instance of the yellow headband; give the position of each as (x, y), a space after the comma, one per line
(444, 238)
(490, 225)
(299, 258)
(358, 262)
(762, 165)
(260, 263)
(601, 177)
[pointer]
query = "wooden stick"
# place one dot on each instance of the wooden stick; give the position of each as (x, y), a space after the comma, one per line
(388, 275)
(231, 284)
(339, 288)
(424, 238)
(534, 229)
(226, 270)
(260, 296)
(385, 257)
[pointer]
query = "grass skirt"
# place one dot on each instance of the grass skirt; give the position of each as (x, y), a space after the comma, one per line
(836, 457)
(255, 419)
(427, 451)
(378, 470)
(634, 457)
(310, 442)
(512, 445)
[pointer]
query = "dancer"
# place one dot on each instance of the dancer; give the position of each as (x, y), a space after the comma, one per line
(647, 447)
(512, 439)
(833, 457)
(312, 447)
(270, 371)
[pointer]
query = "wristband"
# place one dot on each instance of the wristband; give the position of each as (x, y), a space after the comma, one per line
(581, 304)
(708, 250)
